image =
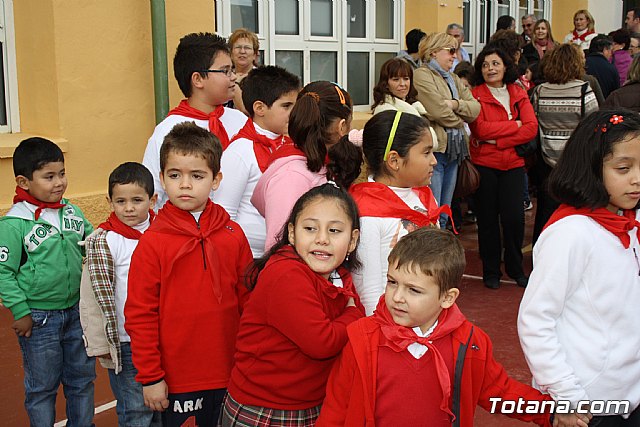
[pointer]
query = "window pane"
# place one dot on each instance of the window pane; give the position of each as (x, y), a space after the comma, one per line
(356, 10)
(384, 19)
(483, 22)
(503, 7)
(291, 60)
(381, 58)
(3, 94)
(466, 19)
(244, 14)
(358, 77)
(324, 66)
(287, 17)
(322, 18)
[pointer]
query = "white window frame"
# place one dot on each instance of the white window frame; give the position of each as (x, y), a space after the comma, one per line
(270, 42)
(7, 36)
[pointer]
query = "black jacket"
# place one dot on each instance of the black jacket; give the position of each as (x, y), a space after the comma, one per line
(604, 71)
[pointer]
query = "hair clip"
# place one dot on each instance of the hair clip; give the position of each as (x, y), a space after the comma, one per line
(392, 135)
(334, 184)
(313, 95)
(343, 101)
(616, 119)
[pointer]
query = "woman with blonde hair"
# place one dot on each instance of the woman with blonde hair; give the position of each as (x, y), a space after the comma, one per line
(583, 29)
(449, 105)
(628, 96)
(542, 42)
(244, 47)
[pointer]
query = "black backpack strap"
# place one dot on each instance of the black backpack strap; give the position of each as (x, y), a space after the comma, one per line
(457, 380)
(583, 91)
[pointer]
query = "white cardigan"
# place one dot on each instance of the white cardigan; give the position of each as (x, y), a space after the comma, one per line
(396, 104)
(579, 317)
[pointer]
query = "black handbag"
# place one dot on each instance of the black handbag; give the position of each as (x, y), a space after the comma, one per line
(528, 148)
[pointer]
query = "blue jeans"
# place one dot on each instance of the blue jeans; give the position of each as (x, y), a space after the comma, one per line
(443, 182)
(130, 407)
(53, 354)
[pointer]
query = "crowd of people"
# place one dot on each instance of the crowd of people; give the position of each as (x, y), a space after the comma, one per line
(250, 275)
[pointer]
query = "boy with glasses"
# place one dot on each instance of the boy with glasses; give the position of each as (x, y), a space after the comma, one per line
(205, 74)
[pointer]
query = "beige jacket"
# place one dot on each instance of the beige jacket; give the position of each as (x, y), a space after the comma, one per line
(432, 92)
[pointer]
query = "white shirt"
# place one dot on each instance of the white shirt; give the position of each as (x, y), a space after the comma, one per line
(121, 250)
(232, 120)
(579, 317)
(240, 174)
(377, 237)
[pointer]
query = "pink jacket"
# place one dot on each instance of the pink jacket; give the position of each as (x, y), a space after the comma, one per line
(278, 189)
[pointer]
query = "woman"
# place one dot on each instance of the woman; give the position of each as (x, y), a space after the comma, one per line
(395, 90)
(244, 47)
(583, 29)
(621, 57)
(451, 104)
(506, 120)
(628, 96)
(542, 42)
(560, 103)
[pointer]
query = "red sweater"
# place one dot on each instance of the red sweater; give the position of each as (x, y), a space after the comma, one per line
(493, 124)
(292, 329)
(184, 302)
(351, 388)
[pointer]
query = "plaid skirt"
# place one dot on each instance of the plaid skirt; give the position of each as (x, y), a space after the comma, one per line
(239, 415)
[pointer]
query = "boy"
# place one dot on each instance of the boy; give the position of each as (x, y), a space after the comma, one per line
(103, 290)
(417, 361)
(269, 93)
(40, 267)
(204, 71)
(187, 286)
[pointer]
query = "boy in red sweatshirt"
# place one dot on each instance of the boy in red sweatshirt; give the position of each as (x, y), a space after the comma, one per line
(186, 286)
(417, 361)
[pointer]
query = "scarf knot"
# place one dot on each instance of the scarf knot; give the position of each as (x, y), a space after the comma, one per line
(215, 125)
(24, 196)
(263, 146)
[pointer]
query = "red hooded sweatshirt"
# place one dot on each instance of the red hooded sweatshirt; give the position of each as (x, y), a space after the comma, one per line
(351, 389)
(186, 292)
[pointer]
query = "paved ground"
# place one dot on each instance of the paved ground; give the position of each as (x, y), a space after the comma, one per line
(494, 311)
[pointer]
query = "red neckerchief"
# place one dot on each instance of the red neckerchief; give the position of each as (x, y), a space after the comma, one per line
(263, 146)
(113, 223)
(581, 37)
(398, 338)
(171, 220)
(332, 291)
(619, 225)
(215, 125)
(378, 200)
(24, 196)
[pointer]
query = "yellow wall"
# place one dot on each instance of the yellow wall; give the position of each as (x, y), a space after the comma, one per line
(430, 16)
(85, 74)
(562, 16)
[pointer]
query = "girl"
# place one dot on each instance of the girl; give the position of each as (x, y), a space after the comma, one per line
(505, 121)
(396, 200)
(578, 317)
(295, 322)
(319, 125)
(583, 29)
(450, 106)
(395, 90)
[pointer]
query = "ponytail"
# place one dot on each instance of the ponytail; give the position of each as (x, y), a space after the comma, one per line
(345, 161)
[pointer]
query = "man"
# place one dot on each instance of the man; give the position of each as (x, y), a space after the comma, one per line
(528, 21)
(412, 40)
(598, 65)
(457, 32)
(633, 20)
(634, 44)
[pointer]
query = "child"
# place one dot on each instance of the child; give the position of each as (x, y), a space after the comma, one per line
(103, 290)
(395, 90)
(294, 324)
(204, 71)
(40, 267)
(579, 315)
(186, 286)
(418, 361)
(319, 127)
(396, 200)
(269, 94)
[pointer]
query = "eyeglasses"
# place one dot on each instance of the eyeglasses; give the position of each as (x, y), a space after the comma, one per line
(452, 50)
(226, 71)
(242, 47)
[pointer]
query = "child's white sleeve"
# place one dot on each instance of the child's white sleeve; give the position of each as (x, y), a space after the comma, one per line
(151, 161)
(369, 280)
(235, 176)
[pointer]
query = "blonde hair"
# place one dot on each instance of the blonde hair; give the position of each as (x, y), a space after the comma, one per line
(243, 33)
(592, 22)
(434, 42)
